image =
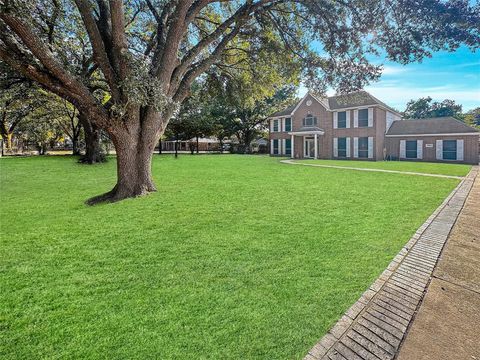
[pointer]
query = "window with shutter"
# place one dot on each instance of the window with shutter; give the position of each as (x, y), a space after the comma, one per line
(411, 149)
(288, 147)
(275, 125)
(342, 120)
(275, 147)
(363, 118)
(342, 147)
(310, 120)
(363, 147)
(449, 149)
(288, 124)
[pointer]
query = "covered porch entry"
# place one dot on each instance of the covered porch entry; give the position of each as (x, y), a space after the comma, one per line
(308, 138)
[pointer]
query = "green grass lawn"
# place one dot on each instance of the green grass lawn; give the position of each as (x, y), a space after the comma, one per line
(419, 167)
(235, 257)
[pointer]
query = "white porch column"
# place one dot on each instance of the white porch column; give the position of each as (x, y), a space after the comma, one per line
(292, 148)
(316, 146)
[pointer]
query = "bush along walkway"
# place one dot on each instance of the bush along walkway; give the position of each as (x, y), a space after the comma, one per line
(375, 326)
(293, 162)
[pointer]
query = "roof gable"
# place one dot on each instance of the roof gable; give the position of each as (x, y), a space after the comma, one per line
(289, 111)
(351, 100)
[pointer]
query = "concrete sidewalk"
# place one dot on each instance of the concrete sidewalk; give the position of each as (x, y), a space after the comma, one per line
(447, 325)
(295, 162)
(393, 318)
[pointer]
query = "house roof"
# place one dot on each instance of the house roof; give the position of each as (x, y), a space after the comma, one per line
(354, 99)
(287, 111)
(442, 125)
(351, 100)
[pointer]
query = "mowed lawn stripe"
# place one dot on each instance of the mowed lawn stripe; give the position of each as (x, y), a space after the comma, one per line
(235, 257)
(405, 166)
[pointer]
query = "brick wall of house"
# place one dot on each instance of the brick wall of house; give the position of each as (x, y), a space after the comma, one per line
(429, 153)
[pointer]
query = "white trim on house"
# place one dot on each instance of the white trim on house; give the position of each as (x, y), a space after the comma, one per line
(355, 147)
(370, 147)
(433, 135)
(370, 117)
(335, 147)
(300, 103)
(335, 120)
(420, 149)
(403, 149)
(355, 118)
(292, 146)
(366, 107)
(460, 150)
(303, 133)
(347, 119)
(348, 147)
(439, 149)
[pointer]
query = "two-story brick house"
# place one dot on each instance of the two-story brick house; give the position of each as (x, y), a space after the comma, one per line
(358, 126)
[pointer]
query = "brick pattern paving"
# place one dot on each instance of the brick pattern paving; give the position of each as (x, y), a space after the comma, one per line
(376, 324)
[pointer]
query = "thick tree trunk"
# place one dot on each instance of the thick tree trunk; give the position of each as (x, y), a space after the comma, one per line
(93, 150)
(134, 144)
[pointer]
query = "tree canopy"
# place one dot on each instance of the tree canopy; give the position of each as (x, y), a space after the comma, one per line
(426, 108)
(145, 54)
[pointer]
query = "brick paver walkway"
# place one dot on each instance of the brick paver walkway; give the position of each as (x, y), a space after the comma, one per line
(447, 325)
(374, 327)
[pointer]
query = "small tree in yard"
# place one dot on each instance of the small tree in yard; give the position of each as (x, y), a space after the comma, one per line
(146, 54)
(246, 114)
(193, 119)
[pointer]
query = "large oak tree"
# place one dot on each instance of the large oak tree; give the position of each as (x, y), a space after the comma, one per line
(147, 53)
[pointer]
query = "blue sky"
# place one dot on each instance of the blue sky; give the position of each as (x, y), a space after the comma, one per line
(446, 75)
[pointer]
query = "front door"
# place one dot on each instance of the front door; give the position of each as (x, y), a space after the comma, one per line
(309, 148)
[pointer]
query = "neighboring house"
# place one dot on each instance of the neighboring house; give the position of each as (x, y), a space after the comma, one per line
(260, 146)
(359, 126)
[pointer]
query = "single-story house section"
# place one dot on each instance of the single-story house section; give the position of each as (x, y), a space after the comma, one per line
(434, 139)
(359, 126)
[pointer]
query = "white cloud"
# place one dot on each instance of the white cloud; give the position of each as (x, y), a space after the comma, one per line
(393, 70)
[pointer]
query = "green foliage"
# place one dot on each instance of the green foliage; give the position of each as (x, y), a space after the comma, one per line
(472, 118)
(425, 108)
(234, 257)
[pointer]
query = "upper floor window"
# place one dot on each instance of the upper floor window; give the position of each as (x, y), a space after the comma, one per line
(288, 124)
(449, 149)
(310, 120)
(342, 120)
(363, 147)
(363, 118)
(275, 125)
(411, 149)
